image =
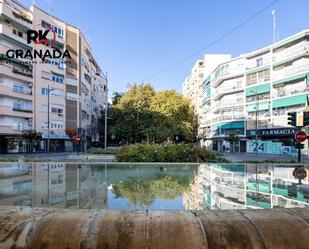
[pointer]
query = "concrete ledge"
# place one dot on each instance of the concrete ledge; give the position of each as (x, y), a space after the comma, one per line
(25, 227)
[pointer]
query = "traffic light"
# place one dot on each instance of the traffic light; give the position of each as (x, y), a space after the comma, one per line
(299, 146)
(306, 118)
(292, 118)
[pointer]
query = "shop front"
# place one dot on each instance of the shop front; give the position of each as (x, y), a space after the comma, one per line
(57, 142)
(229, 137)
(278, 141)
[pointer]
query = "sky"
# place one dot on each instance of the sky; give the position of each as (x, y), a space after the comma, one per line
(134, 39)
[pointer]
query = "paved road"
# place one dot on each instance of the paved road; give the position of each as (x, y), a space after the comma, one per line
(238, 157)
(62, 156)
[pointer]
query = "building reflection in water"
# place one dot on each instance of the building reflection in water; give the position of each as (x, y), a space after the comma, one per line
(53, 185)
(246, 186)
(140, 187)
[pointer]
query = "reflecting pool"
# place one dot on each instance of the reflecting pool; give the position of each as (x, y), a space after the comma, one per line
(152, 186)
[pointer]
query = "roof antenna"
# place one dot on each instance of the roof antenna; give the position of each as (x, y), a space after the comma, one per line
(274, 26)
(49, 3)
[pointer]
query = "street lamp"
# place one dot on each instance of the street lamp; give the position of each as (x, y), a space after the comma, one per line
(48, 91)
(256, 118)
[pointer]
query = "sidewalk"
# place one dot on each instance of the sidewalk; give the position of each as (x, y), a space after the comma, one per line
(63, 157)
(239, 157)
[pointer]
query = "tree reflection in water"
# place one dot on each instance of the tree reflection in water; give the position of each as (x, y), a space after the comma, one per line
(143, 192)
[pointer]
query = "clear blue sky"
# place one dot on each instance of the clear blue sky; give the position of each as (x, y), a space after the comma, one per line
(133, 39)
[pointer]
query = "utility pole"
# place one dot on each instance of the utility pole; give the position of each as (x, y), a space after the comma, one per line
(105, 114)
(48, 91)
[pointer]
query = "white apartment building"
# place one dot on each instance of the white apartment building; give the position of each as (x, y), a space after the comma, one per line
(78, 87)
(255, 91)
(192, 87)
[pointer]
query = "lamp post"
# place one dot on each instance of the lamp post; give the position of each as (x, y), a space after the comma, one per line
(256, 118)
(105, 113)
(48, 91)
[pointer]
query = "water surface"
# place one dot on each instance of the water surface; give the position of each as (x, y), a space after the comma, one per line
(151, 186)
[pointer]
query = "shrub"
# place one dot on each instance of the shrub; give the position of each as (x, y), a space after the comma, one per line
(98, 151)
(167, 153)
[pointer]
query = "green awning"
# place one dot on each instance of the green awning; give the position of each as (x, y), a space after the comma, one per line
(233, 125)
(300, 76)
(15, 23)
(6, 37)
(207, 80)
(307, 79)
(258, 89)
(208, 92)
(290, 101)
(263, 106)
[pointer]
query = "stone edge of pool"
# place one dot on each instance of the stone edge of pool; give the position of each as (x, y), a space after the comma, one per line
(26, 227)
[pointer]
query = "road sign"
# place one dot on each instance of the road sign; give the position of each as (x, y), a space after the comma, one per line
(300, 136)
(300, 173)
(77, 139)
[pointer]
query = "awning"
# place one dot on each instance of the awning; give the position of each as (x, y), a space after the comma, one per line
(232, 125)
(290, 101)
(258, 89)
(300, 76)
(263, 106)
(8, 38)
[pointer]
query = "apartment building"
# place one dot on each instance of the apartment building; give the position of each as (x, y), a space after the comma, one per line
(246, 99)
(192, 87)
(76, 85)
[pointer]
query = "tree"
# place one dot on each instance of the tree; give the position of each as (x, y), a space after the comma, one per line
(116, 97)
(142, 115)
(232, 139)
(177, 110)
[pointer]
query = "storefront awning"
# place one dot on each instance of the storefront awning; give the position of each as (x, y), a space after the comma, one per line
(257, 89)
(290, 101)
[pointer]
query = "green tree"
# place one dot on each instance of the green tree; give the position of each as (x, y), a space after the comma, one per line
(142, 115)
(177, 110)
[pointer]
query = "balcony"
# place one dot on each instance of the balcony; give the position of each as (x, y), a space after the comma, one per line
(228, 104)
(6, 129)
(284, 93)
(15, 112)
(231, 73)
(252, 64)
(24, 93)
(17, 13)
(289, 71)
(8, 69)
(292, 52)
(227, 90)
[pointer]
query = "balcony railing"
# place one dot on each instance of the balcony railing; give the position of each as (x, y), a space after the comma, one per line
(292, 51)
(224, 90)
(284, 93)
(24, 72)
(289, 71)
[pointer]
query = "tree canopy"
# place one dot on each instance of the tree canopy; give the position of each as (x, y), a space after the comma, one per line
(144, 115)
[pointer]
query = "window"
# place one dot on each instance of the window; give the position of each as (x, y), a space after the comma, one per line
(20, 34)
(44, 91)
(18, 89)
(14, 32)
(259, 62)
(57, 79)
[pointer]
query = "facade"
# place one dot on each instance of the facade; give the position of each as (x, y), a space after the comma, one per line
(255, 91)
(245, 187)
(192, 87)
(78, 87)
